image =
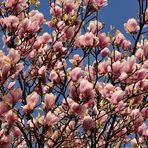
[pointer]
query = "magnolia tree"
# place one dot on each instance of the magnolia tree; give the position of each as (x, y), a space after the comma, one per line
(74, 86)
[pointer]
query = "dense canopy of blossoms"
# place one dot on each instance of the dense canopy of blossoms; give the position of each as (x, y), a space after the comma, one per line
(74, 86)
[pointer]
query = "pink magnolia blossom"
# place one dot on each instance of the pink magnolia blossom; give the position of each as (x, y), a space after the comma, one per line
(131, 26)
(49, 100)
(103, 40)
(126, 45)
(11, 117)
(108, 90)
(16, 132)
(50, 119)
(86, 89)
(14, 56)
(4, 108)
(74, 92)
(6, 140)
(139, 54)
(95, 26)
(78, 109)
(88, 123)
(117, 96)
(46, 38)
(42, 70)
(119, 37)
(76, 60)
(141, 74)
(32, 101)
(54, 76)
(105, 52)
(14, 96)
(76, 74)
(145, 112)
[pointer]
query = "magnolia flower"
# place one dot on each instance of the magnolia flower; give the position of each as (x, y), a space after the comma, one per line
(49, 100)
(51, 119)
(131, 26)
(104, 52)
(88, 123)
(32, 101)
(86, 89)
(76, 74)
(78, 109)
(11, 117)
(117, 96)
(103, 40)
(4, 108)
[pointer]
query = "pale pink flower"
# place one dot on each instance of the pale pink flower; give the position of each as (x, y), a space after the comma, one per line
(95, 26)
(61, 25)
(126, 45)
(140, 74)
(54, 76)
(55, 10)
(88, 123)
(42, 70)
(11, 22)
(66, 104)
(103, 67)
(76, 74)
(117, 55)
(69, 32)
(134, 143)
(139, 54)
(78, 109)
(10, 117)
(88, 39)
(105, 52)
(58, 47)
(117, 68)
(131, 26)
(142, 128)
(130, 65)
(119, 37)
(51, 119)
(14, 96)
(108, 90)
(5, 71)
(16, 132)
(32, 101)
(74, 92)
(103, 40)
(117, 96)
(46, 38)
(49, 100)
(69, 6)
(144, 112)
(86, 89)
(5, 141)
(135, 114)
(76, 60)
(4, 108)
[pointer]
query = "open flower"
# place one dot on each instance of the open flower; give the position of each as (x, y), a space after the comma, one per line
(131, 26)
